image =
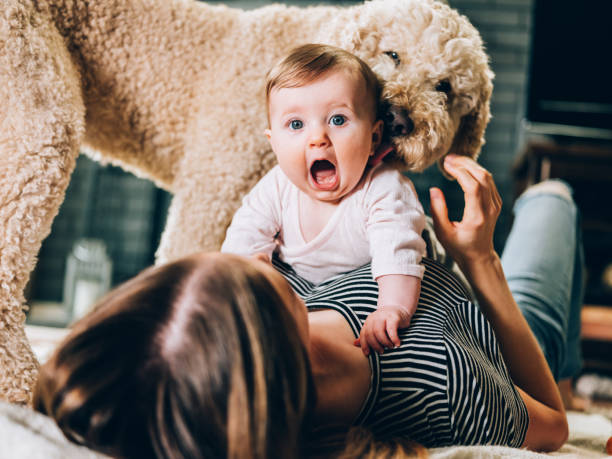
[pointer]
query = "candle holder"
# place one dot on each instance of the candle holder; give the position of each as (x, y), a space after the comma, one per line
(87, 278)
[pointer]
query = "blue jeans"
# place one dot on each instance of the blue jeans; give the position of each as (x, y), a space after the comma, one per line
(543, 262)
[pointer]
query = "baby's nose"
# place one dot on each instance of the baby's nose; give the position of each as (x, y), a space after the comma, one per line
(318, 139)
(318, 143)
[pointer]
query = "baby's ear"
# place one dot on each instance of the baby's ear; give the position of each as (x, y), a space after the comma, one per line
(377, 133)
(268, 133)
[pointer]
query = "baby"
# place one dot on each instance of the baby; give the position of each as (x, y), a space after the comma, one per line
(327, 208)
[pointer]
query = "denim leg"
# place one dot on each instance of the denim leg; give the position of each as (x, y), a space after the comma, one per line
(573, 358)
(542, 261)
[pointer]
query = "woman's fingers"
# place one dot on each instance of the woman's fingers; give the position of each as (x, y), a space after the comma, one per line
(439, 212)
(468, 163)
(481, 196)
(476, 174)
(495, 192)
(474, 190)
(473, 235)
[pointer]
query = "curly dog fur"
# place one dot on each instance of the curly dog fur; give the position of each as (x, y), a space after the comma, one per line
(172, 90)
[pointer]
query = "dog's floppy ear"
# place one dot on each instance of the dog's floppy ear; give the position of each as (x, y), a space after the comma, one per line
(469, 138)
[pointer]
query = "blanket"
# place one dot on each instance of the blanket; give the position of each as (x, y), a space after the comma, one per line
(25, 434)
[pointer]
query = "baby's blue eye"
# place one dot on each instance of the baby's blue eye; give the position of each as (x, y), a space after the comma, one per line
(337, 120)
(296, 124)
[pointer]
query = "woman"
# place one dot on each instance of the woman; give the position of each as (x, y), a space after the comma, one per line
(216, 356)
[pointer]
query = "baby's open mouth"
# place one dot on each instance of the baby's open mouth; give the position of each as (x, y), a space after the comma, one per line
(323, 174)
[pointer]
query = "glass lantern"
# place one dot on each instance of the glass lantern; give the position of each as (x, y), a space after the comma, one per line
(87, 278)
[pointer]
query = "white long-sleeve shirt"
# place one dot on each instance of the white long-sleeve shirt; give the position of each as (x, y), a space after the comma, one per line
(381, 221)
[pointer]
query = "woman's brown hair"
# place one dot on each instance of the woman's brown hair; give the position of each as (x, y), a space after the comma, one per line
(191, 359)
(361, 443)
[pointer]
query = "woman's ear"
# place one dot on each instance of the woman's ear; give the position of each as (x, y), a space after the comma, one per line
(268, 134)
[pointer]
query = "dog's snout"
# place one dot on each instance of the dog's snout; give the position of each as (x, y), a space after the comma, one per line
(401, 129)
(399, 122)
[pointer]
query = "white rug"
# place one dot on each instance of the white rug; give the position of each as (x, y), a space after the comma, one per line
(25, 434)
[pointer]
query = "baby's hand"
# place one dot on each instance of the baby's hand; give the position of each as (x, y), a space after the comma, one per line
(379, 331)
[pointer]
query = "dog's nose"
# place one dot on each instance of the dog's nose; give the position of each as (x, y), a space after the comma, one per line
(399, 122)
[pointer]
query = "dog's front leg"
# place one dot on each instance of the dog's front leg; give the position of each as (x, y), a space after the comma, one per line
(213, 178)
(41, 126)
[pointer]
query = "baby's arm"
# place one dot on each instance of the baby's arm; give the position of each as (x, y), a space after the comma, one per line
(395, 221)
(398, 296)
(256, 223)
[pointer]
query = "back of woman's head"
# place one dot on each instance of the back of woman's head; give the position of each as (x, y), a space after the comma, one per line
(197, 358)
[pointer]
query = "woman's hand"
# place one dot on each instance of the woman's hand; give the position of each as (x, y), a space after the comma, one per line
(470, 243)
(470, 240)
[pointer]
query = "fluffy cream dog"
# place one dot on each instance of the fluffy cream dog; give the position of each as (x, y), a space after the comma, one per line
(172, 90)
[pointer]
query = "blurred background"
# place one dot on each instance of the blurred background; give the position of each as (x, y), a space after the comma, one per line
(552, 117)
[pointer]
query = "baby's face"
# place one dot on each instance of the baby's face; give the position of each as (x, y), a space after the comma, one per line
(323, 134)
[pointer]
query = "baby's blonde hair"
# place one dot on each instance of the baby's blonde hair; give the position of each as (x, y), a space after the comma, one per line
(308, 62)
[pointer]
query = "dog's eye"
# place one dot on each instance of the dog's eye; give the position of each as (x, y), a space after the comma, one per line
(393, 55)
(444, 86)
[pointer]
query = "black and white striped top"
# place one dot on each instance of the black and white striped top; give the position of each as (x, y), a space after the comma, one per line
(447, 383)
